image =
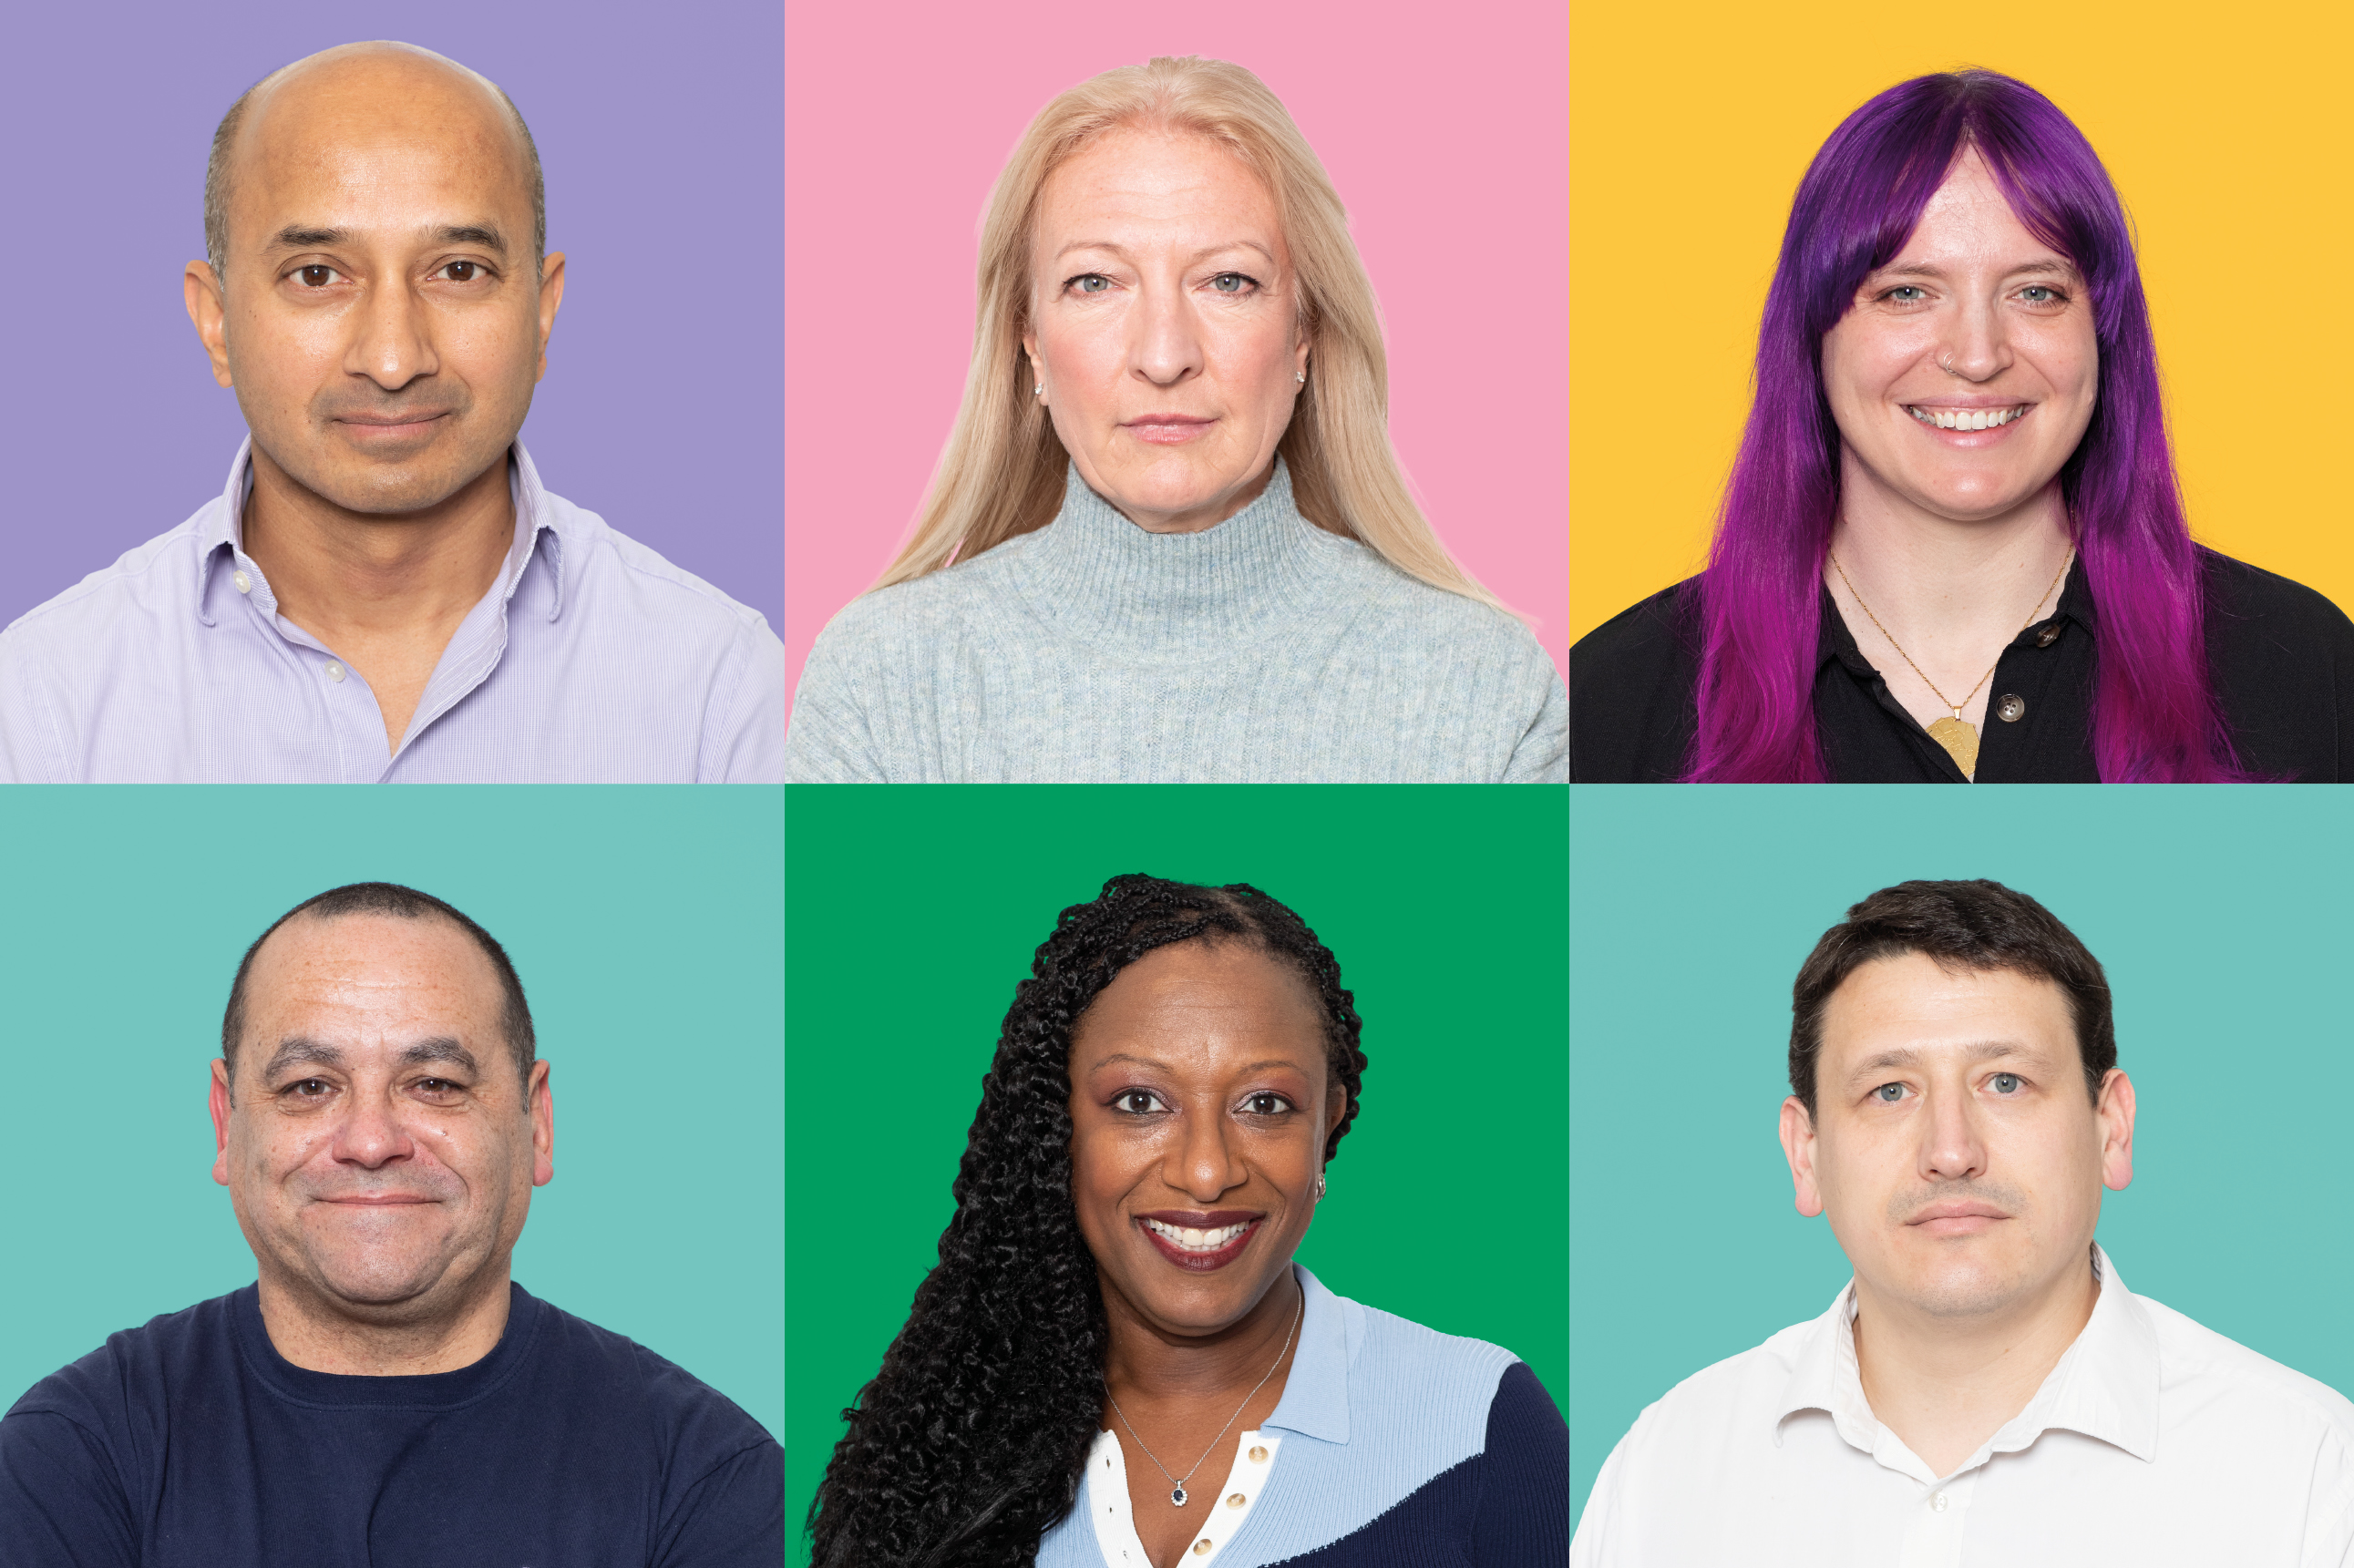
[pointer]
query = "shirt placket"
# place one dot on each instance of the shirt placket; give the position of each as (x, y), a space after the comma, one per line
(353, 716)
(1933, 1535)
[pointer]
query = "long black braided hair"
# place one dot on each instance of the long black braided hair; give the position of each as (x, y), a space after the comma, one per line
(970, 1443)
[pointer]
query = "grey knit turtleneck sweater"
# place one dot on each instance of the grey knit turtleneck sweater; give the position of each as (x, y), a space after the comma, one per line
(1261, 651)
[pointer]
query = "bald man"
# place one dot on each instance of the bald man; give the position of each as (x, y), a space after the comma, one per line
(384, 591)
(384, 1394)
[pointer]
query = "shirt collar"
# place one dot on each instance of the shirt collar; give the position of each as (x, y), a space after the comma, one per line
(222, 532)
(1834, 640)
(2105, 1386)
(1315, 1402)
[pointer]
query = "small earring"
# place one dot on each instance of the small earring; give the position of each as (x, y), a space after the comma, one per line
(1039, 390)
(1300, 376)
(1319, 1188)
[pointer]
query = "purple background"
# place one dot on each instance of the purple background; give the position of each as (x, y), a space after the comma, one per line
(662, 131)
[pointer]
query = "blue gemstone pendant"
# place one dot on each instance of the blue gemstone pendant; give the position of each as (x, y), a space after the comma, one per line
(1177, 1496)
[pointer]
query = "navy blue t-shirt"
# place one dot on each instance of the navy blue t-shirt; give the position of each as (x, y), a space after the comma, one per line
(191, 1443)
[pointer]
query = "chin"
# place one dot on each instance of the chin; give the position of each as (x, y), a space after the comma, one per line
(1965, 1288)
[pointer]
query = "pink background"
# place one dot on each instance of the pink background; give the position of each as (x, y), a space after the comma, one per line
(1445, 130)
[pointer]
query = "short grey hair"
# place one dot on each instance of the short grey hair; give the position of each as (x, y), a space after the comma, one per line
(216, 181)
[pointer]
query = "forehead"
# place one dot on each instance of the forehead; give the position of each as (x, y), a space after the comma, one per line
(1911, 1002)
(1131, 179)
(1968, 215)
(1204, 1000)
(383, 130)
(358, 975)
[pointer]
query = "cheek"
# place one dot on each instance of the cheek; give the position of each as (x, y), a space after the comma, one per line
(1861, 358)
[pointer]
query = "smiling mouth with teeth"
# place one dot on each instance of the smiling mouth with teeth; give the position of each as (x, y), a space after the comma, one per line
(1969, 419)
(1187, 1239)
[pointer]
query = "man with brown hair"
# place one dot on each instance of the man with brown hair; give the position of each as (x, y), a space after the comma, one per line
(1986, 1390)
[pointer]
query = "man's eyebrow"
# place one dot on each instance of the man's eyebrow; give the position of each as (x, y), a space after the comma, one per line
(483, 234)
(297, 1048)
(296, 237)
(439, 1049)
(1984, 1050)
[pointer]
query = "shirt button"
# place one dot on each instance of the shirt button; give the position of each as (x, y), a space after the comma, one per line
(1201, 1547)
(2047, 637)
(1937, 1503)
(1236, 1501)
(244, 583)
(2011, 709)
(335, 670)
(1258, 1456)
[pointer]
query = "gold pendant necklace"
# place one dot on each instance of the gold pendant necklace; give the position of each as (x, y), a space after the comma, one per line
(1957, 734)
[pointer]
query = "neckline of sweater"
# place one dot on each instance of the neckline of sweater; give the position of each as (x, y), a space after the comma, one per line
(1098, 578)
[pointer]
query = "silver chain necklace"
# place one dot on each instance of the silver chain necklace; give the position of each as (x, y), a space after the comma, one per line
(1177, 1493)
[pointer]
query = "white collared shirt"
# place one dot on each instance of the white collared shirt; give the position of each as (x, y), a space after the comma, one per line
(2153, 1442)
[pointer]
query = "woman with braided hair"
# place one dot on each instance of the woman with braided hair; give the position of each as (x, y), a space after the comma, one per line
(1116, 1361)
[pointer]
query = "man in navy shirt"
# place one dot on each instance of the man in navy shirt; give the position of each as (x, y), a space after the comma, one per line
(384, 1395)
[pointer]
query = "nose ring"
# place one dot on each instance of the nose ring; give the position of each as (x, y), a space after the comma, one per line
(1947, 368)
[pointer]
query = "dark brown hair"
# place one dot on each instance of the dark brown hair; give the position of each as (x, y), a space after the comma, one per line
(401, 904)
(1962, 926)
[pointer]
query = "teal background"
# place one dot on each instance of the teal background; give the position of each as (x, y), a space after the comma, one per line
(647, 925)
(2219, 915)
(913, 911)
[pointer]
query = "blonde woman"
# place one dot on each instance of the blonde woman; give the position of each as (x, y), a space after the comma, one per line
(1168, 541)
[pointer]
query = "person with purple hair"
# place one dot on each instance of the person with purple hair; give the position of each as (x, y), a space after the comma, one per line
(1952, 548)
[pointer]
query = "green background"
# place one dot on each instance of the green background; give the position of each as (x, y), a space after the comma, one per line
(912, 914)
(647, 925)
(2219, 916)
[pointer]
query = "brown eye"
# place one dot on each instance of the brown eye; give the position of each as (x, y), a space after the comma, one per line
(315, 277)
(463, 272)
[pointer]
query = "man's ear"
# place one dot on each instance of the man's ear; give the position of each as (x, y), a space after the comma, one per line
(2115, 1111)
(221, 1107)
(210, 311)
(1798, 1148)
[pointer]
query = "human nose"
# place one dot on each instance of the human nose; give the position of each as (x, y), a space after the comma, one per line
(370, 1134)
(1975, 346)
(1951, 1149)
(1203, 1164)
(1167, 346)
(392, 343)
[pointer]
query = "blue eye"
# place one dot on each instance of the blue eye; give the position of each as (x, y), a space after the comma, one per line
(1889, 1094)
(2039, 294)
(2006, 1083)
(1906, 294)
(1232, 282)
(1090, 283)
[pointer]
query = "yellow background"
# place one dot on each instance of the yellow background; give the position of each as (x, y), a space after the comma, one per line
(2226, 128)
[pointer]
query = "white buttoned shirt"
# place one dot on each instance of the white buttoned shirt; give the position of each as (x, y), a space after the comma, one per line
(2154, 1442)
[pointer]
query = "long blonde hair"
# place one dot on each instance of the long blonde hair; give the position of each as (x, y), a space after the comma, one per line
(1001, 473)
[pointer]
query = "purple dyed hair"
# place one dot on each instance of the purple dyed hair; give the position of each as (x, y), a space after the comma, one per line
(2154, 718)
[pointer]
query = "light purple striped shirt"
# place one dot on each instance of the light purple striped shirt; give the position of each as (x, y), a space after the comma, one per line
(591, 661)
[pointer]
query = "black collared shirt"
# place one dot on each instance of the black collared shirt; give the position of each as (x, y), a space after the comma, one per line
(2281, 657)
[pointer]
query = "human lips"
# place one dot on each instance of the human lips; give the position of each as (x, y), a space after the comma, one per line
(1197, 1241)
(403, 425)
(1959, 1217)
(1969, 417)
(1167, 430)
